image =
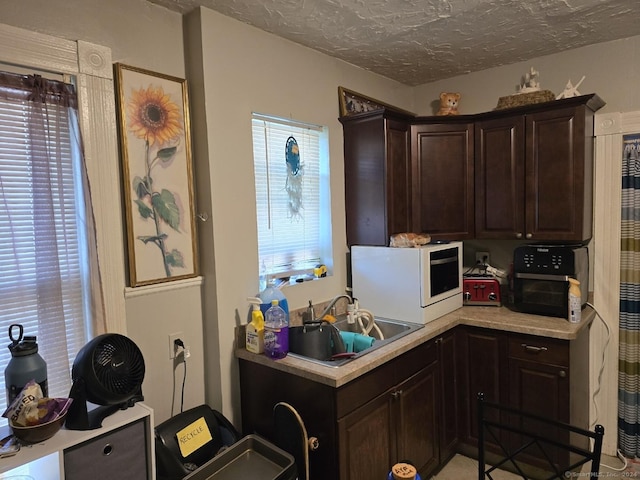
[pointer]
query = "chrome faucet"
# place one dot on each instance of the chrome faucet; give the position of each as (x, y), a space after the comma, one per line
(333, 302)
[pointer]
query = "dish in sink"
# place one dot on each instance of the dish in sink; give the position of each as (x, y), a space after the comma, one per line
(391, 330)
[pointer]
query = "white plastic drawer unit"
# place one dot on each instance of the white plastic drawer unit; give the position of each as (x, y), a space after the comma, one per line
(122, 448)
(118, 454)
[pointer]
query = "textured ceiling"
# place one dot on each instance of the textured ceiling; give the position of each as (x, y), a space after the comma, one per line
(420, 41)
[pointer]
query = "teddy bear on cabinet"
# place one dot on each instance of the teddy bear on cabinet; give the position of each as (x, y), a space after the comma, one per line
(449, 103)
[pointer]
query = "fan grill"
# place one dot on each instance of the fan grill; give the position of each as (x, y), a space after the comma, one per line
(118, 365)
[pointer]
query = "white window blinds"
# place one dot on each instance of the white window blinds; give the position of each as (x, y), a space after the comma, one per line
(290, 211)
(43, 261)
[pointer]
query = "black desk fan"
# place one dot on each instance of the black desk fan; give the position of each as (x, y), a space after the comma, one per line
(108, 371)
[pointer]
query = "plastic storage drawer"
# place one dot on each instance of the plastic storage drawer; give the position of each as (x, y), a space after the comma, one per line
(120, 453)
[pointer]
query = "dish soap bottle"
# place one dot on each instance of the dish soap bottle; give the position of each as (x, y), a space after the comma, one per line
(254, 332)
(575, 301)
(276, 332)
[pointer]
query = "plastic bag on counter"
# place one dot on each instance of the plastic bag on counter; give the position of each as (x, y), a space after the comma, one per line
(30, 408)
(403, 240)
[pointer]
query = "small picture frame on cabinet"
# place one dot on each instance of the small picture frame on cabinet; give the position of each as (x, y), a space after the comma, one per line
(352, 103)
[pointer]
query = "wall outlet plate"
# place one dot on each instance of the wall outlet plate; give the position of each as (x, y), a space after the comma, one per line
(483, 258)
(173, 348)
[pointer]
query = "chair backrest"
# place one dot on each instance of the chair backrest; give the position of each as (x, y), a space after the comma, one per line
(528, 444)
(190, 439)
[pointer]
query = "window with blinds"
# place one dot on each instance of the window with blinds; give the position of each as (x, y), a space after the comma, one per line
(24, 282)
(292, 199)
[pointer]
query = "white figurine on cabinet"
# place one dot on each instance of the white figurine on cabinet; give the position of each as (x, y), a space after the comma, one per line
(531, 83)
(569, 90)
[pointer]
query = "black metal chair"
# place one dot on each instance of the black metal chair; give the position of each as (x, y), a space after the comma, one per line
(532, 446)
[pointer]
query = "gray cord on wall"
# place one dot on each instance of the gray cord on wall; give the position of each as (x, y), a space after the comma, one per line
(597, 390)
(181, 358)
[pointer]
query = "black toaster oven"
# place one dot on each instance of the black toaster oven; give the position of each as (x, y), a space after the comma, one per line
(541, 277)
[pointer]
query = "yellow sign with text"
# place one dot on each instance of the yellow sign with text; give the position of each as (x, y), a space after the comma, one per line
(194, 436)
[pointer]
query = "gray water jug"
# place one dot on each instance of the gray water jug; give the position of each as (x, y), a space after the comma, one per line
(25, 364)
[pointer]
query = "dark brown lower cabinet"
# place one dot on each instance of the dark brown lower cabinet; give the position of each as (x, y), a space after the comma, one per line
(398, 425)
(540, 375)
(449, 398)
(262, 387)
(421, 406)
(387, 415)
(539, 383)
(482, 358)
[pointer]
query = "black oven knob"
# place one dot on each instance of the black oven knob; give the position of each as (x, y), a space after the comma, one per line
(493, 296)
(467, 296)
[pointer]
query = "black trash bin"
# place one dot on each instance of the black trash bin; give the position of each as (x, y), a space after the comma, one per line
(171, 464)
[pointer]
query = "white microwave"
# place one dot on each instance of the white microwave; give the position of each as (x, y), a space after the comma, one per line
(414, 285)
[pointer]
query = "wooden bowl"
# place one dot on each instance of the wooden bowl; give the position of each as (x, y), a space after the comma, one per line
(38, 433)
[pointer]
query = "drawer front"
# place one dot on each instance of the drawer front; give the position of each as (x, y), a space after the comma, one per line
(539, 349)
(367, 387)
(118, 454)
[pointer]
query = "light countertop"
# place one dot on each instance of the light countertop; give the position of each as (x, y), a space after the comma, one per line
(496, 318)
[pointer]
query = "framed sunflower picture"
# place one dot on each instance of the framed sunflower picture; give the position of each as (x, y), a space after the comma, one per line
(155, 149)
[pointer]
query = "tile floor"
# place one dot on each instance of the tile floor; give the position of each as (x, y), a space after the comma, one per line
(465, 468)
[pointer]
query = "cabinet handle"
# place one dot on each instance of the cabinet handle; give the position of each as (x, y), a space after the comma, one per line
(562, 374)
(107, 450)
(518, 235)
(533, 348)
(396, 394)
(314, 443)
(529, 235)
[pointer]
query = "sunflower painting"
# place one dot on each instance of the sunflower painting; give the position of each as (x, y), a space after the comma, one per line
(156, 159)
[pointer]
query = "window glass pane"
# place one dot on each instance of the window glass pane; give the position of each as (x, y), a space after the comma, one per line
(290, 214)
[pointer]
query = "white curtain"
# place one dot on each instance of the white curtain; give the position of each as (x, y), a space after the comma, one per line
(51, 277)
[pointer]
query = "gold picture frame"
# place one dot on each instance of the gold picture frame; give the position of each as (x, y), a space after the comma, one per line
(353, 103)
(155, 150)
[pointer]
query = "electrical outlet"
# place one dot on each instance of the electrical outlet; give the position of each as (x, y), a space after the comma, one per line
(173, 348)
(483, 258)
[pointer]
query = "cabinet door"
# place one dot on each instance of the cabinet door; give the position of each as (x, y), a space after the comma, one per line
(442, 180)
(542, 389)
(417, 426)
(499, 194)
(558, 170)
(448, 395)
(539, 388)
(398, 185)
(376, 170)
(367, 440)
(482, 354)
(313, 401)
(539, 384)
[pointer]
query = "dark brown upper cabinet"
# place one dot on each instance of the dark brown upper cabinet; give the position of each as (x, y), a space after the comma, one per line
(377, 177)
(442, 180)
(520, 173)
(534, 172)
